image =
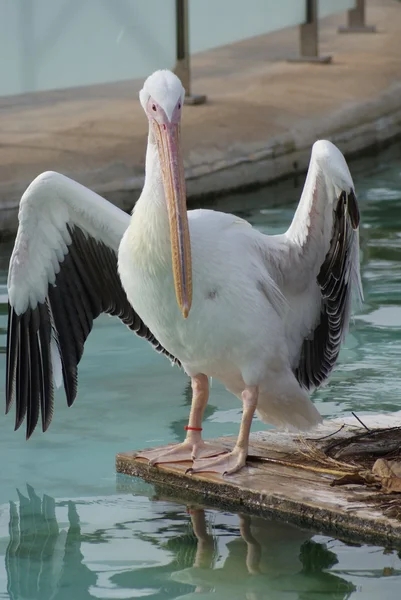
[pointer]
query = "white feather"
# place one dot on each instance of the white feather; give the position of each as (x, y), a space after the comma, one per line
(48, 205)
(56, 363)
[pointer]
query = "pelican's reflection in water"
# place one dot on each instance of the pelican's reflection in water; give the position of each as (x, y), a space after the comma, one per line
(268, 560)
(194, 554)
(42, 560)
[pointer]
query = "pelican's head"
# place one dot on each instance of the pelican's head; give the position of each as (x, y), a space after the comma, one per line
(162, 98)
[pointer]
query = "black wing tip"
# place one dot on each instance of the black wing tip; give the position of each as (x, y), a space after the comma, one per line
(18, 423)
(71, 396)
(46, 424)
(29, 430)
(13, 325)
(353, 209)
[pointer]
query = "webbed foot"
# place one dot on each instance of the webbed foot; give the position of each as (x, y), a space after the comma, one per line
(226, 464)
(187, 451)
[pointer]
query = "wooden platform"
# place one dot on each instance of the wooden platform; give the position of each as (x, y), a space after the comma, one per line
(288, 477)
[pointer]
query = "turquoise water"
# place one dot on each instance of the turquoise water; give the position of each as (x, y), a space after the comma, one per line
(70, 529)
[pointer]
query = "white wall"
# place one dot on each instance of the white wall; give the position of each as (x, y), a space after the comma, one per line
(215, 23)
(51, 44)
(330, 7)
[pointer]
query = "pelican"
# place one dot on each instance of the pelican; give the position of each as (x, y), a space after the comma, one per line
(266, 315)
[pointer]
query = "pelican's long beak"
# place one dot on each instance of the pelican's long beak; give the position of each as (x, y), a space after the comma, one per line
(172, 166)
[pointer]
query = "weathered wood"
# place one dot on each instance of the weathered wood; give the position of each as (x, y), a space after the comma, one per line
(286, 477)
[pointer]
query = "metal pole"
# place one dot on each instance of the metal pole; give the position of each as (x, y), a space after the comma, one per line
(356, 20)
(28, 51)
(309, 37)
(182, 66)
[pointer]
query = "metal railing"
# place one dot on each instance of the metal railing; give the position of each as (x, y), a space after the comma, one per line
(308, 39)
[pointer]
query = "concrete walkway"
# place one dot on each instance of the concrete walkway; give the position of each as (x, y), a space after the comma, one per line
(262, 116)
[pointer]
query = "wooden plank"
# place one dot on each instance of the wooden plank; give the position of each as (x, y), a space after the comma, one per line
(280, 480)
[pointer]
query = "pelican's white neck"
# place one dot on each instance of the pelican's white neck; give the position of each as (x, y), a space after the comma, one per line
(149, 226)
(152, 196)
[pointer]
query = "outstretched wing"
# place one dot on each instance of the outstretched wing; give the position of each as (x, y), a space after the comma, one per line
(321, 267)
(63, 274)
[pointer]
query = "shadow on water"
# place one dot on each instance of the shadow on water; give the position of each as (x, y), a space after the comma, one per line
(45, 559)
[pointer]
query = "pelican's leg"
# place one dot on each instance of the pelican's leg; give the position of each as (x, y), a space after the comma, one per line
(233, 461)
(193, 447)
